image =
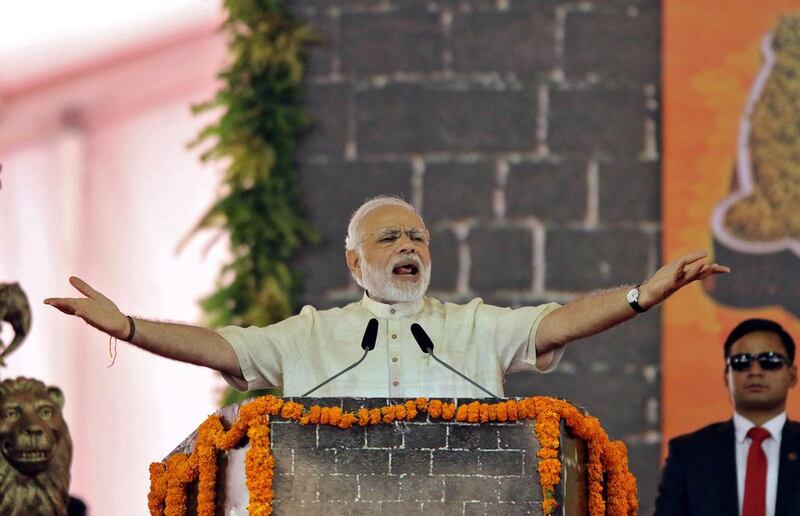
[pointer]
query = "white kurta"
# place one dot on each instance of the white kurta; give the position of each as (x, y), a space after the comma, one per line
(484, 342)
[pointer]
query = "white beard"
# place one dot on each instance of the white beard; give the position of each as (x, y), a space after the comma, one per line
(382, 286)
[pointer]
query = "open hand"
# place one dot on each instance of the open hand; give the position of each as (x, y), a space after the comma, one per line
(96, 309)
(675, 275)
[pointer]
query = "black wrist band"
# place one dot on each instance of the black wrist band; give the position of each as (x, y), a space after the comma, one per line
(132, 333)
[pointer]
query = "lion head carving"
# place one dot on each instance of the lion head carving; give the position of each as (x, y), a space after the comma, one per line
(36, 449)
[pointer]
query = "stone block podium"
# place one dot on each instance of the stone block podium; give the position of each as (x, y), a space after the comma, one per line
(420, 466)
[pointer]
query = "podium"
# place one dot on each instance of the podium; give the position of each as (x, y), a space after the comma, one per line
(377, 456)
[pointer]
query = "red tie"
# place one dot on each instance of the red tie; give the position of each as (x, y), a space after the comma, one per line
(755, 480)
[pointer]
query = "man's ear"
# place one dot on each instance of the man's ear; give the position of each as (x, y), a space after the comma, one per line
(353, 262)
(793, 374)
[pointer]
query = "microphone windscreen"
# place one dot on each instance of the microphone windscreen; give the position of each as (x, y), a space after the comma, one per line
(370, 335)
(422, 338)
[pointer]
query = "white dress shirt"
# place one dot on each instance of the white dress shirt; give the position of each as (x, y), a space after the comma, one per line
(772, 449)
(481, 341)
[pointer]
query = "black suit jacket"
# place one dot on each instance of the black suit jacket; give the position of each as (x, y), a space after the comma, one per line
(699, 476)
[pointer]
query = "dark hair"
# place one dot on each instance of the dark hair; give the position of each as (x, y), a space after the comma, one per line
(754, 325)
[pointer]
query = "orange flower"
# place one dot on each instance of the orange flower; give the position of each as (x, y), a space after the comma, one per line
(435, 409)
(448, 410)
(158, 488)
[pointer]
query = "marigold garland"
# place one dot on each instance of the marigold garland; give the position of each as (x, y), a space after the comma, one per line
(169, 479)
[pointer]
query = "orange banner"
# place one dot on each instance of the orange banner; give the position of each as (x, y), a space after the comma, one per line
(730, 184)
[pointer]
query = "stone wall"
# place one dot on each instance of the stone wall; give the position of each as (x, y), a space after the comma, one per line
(527, 134)
(419, 467)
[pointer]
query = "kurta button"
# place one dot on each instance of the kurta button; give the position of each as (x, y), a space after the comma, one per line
(394, 335)
(394, 359)
(395, 383)
(393, 310)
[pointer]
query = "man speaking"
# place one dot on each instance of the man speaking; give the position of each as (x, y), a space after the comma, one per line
(387, 252)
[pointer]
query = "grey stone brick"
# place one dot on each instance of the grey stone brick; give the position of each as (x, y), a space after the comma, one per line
(471, 437)
(296, 487)
(338, 488)
(333, 191)
(599, 121)
(365, 508)
(466, 489)
(328, 106)
(314, 461)
(512, 509)
(415, 462)
(379, 487)
(399, 41)
(644, 460)
(520, 436)
(454, 462)
(443, 508)
(524, 491)
(551, 192)
(401, 508)
(322, 268)
(332, 437)
(426, 436)
(384, 436)
(320, 55)
(291, 435)
(362, 461)
(638, 200)
(456, 190)
(421, 488)
(286, 508)
(615, 43)
(500, 462)
(522, 43)
(501, 258)
(595, 387)
(586, 260)
(403, 118)
(284, 461)
(444, 260)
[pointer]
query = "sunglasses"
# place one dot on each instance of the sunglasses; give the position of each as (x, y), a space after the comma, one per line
(768, 361)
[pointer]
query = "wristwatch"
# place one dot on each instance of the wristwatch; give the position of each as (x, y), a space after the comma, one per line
(633, 299)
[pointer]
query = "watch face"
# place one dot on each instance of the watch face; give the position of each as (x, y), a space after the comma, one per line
(633, 295)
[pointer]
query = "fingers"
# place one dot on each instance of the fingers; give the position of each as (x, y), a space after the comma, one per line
(701, 271)
(66, 305)
(84, 287)
(691, 258)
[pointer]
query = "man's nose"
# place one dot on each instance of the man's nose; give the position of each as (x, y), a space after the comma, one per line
(406, 245)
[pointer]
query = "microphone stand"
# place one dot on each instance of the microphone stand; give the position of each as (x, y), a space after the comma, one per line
(461, 375)
(337, 374)
(426, 345)
(367, 344)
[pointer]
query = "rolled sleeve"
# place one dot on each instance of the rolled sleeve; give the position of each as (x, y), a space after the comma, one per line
(521, 356)
(258, 356)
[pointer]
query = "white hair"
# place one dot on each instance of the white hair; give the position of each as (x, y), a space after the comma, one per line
(353, 237)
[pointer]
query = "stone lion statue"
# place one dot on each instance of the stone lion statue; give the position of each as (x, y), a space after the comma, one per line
(36, 449)
(15, 310)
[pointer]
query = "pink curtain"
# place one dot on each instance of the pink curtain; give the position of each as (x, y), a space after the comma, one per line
(97, 182)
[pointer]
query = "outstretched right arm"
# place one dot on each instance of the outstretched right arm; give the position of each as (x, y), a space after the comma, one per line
(182, 342)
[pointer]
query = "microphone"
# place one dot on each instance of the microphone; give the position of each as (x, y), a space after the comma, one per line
(367, 344)
(426, 345)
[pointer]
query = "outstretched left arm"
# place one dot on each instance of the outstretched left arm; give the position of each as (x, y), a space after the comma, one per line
(602, 310)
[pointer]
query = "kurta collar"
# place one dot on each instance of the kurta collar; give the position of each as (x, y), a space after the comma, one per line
(393, 311)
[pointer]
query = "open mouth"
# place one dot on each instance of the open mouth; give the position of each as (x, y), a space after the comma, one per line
(31, 456)
(408, 269)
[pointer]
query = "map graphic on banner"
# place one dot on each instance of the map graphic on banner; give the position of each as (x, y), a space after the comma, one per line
(731, 186)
